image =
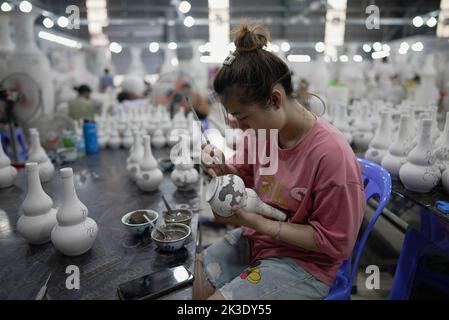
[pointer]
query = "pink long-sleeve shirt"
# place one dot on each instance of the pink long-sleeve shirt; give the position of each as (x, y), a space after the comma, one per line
(318, 183)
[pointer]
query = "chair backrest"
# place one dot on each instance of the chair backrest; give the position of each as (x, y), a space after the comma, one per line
(377, 182)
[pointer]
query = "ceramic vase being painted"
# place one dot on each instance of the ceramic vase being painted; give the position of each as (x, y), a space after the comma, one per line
(7, 172)
(38, 154)
(378, 147)
(420, 173)
(150, 176)
(223, 192)
(75, 232)
(399, 149)
(39, 217)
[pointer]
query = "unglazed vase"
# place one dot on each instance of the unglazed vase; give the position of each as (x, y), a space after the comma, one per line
(7, 172)
(150, 176)
(378, 147)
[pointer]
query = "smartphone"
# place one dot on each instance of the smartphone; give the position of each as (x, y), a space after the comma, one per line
(155, 284)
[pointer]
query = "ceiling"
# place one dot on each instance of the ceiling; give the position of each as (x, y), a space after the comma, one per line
(299, 21)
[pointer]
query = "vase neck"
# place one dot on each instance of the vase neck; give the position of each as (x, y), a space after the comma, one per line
(425, 133)
(68, 185)
(34, 182)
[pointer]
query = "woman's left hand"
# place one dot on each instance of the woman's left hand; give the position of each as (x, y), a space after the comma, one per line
(241, 217)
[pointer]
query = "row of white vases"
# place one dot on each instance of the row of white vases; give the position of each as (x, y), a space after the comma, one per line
(419, 161)
(143, 168)
(69, 228)
(37, 154)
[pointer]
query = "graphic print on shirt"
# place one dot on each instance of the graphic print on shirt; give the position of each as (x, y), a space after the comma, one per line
(252, 274)
(272, 189)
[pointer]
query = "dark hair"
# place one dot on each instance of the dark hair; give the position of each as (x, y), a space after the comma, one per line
(122, 96)
(83, 89)
(106, 70)
(254, 71)
(186, 85)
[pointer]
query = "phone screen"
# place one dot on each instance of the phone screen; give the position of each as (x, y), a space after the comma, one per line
(155, 284)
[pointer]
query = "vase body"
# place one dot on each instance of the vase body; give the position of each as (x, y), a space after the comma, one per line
(420, 173)
(399, 149)
(114, 141)
(184, 176)
(136, 155)
(150, 176)
(39, 217)
(363, 132)
(378, 147)
(75, 232)
(341, 122)
(158, 139)
(223, 192)
(442, 151)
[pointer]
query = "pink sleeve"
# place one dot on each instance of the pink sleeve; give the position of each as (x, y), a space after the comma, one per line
(336, 219)
(244, 168)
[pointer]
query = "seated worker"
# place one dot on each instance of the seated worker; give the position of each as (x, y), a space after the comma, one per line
(82, 107)
(198, 102)
(317, 183)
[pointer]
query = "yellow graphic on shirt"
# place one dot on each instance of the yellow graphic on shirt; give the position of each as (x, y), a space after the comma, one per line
(252, 275)
(272, 189)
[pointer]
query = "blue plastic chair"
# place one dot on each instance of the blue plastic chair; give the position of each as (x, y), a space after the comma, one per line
(377, 183)
(411, 269)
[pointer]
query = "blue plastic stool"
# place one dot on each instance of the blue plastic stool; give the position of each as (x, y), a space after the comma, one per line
(411, 269)
(22, 152)
(377, 183)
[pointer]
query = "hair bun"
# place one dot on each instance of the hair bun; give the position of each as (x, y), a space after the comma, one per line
(250, 37)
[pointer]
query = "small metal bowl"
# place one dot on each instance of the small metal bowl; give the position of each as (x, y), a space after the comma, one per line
(178, 235)
(140, 229)
(178, 216)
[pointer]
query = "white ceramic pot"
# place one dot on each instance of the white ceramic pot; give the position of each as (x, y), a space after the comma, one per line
(114, 141)
(223, 192)
(363, 132)
(341, 122)
(150, 176)
(127, 140)
(378, 147)
(420, 173)
(135, 156)
(184, 176)
(38, 218)
(75, 232)
(399, 149)
(7, 172)
(38, 154)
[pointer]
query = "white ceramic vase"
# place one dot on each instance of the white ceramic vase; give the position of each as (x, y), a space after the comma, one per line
(7, 172)
(363, 132)
(127, 140)
(6, 45)
(38, 215)
(75, 232)
(442, 151)
(341, 121)
(135, 156)
(158, 139)
(399, 149)
(420, 173)
(378, 147)
(184, 176)
(38, 154)
(150, 176)
(114, 141)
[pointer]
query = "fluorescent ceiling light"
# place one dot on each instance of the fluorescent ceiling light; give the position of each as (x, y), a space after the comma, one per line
(275, 48)
(418, 46)
(285, 46)
(25, 6)
(366, 47)
(432, 22)
(357, 58)
(377, 46)
(189, 21)
(48, 23)
(298, 58)
(154, 47)
(320, 46)
(115, 47)
(172, 45)
(418, 21)
(219, 29)
(334, 31)
(58, 39)
(184, 6)
(6, 7)
(386, 47)
(62, 22)
(379, 54)
(344, 58)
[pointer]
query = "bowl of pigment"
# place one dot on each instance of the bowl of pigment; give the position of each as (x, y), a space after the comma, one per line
(136, 223)
(174, 238)
(178, 216)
